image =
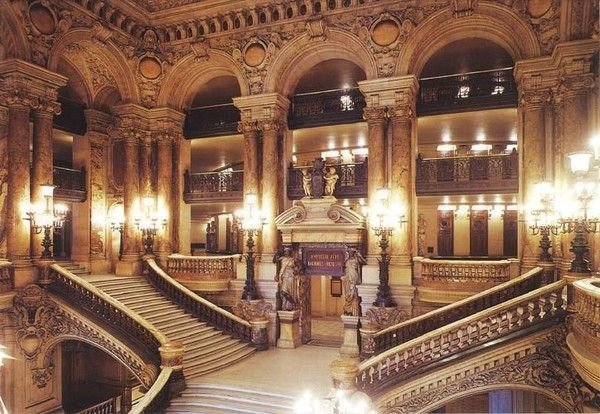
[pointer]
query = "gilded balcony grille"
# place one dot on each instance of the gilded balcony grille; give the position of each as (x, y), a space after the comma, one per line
(70, 184)
(332, 107)
(469, 174)
(223, 185)
(351, 184)
(211, 121)
(467, 91)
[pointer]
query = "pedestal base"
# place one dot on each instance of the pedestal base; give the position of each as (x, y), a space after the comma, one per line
(25, 273)
(382, 317)
(570, 278)
(289, 329)
(549, 272)
(350, 347)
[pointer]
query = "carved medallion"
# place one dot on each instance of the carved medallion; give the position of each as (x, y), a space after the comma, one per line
(150, 67)
(255, 54)
(385, 32)
(537, 8)
(42, 18)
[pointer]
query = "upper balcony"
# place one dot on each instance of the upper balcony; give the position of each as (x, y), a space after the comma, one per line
(340, 106)
(352, 183)
(213, 186)
(70, 184)
(211, 121)
(468, 174)
(467, 92)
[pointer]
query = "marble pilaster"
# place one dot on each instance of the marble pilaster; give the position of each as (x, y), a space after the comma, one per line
(250, 131)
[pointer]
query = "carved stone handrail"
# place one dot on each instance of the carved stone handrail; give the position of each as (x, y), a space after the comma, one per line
(374, 343)
(584, 336)
(155, 396)
(535, 309)
(7, 279)
(203, 273)
(196, 305)
(129, 323)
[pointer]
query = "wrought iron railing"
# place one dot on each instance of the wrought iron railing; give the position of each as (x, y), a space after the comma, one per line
(467, 91)
(352, 183)
(7, 278)
(199, 307)
(530, 311)
(222, 185)
(203, 273)
(70, 184)
(332, 107)
(393, 336)
(210, 121)
(473, 174)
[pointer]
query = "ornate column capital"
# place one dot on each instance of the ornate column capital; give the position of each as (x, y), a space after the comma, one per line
(263, 107)
(27, 85)
(534, 98)
(375, 114)
(247, 126)
(97, 121)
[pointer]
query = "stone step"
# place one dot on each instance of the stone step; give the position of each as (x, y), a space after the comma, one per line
(198, 368)
(135, 291)
(157, 319)
(149, 300)
(206, 338)
(178, 331)
(211, 352)
(120, 281)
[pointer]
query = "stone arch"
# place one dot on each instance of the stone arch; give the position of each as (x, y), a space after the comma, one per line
(183, 80)
(496, 387)
(289, 64)
(490, 21)
(13, 42)
(103, 64)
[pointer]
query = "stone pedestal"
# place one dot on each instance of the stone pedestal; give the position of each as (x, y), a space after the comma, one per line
(549, 272)
(289, 329)
(350, 347)
(570, 278)
(260, 335)
(129, 267)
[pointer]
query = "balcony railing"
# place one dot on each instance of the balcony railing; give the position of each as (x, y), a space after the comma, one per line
(211, 121)
(351, 184)
(333, 107)
(70, 184)
(466, 175)
(467, 91)
(223, 185)
(203, 273)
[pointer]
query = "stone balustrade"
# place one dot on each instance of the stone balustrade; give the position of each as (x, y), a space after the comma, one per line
(584, 336)
(533, 310)
(203, 273)
(446, 280)
(7, 281)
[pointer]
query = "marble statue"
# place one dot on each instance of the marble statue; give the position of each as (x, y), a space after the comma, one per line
(286, 280)
(306, 182)
(331, 179)
(350, 281)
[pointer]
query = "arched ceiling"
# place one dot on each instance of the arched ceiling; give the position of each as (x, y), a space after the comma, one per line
(330, 74)
(467, 55)
(219, 90)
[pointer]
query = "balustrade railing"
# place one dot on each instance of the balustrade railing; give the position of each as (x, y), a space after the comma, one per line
(532, 310)
(7, 278)
(470, 174)
(331, 107)
(210, 121)
(467, 91)
(440, 273)
(70, 184)
(203, 273)
(110, 406)
(352, 183)
(373, 343)
(223, 185)
(148, 339)
(586, 323)
(196, 305)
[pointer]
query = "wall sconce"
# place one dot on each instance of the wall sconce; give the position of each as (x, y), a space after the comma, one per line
(47, 219)
(149, 221)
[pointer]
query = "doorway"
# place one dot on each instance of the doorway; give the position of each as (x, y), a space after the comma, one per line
(327, 305)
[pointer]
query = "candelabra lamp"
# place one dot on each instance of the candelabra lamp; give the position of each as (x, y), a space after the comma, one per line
(47, 219)
(117, 223)
(543, 219)
(250, 221)
(581, 219)
(149, 222)
(384, 220)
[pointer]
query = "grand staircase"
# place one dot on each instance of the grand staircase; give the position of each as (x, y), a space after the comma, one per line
(220, 399)
(206, 349)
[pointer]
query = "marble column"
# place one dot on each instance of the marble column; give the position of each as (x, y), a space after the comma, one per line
(272, 184)
(376, 124)
(164, 183)
(130, 260)
(145, 173)
(3, 177)
(182, 217)
(251, 173)
(42, 163)
(403, 120)
(532, 107)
